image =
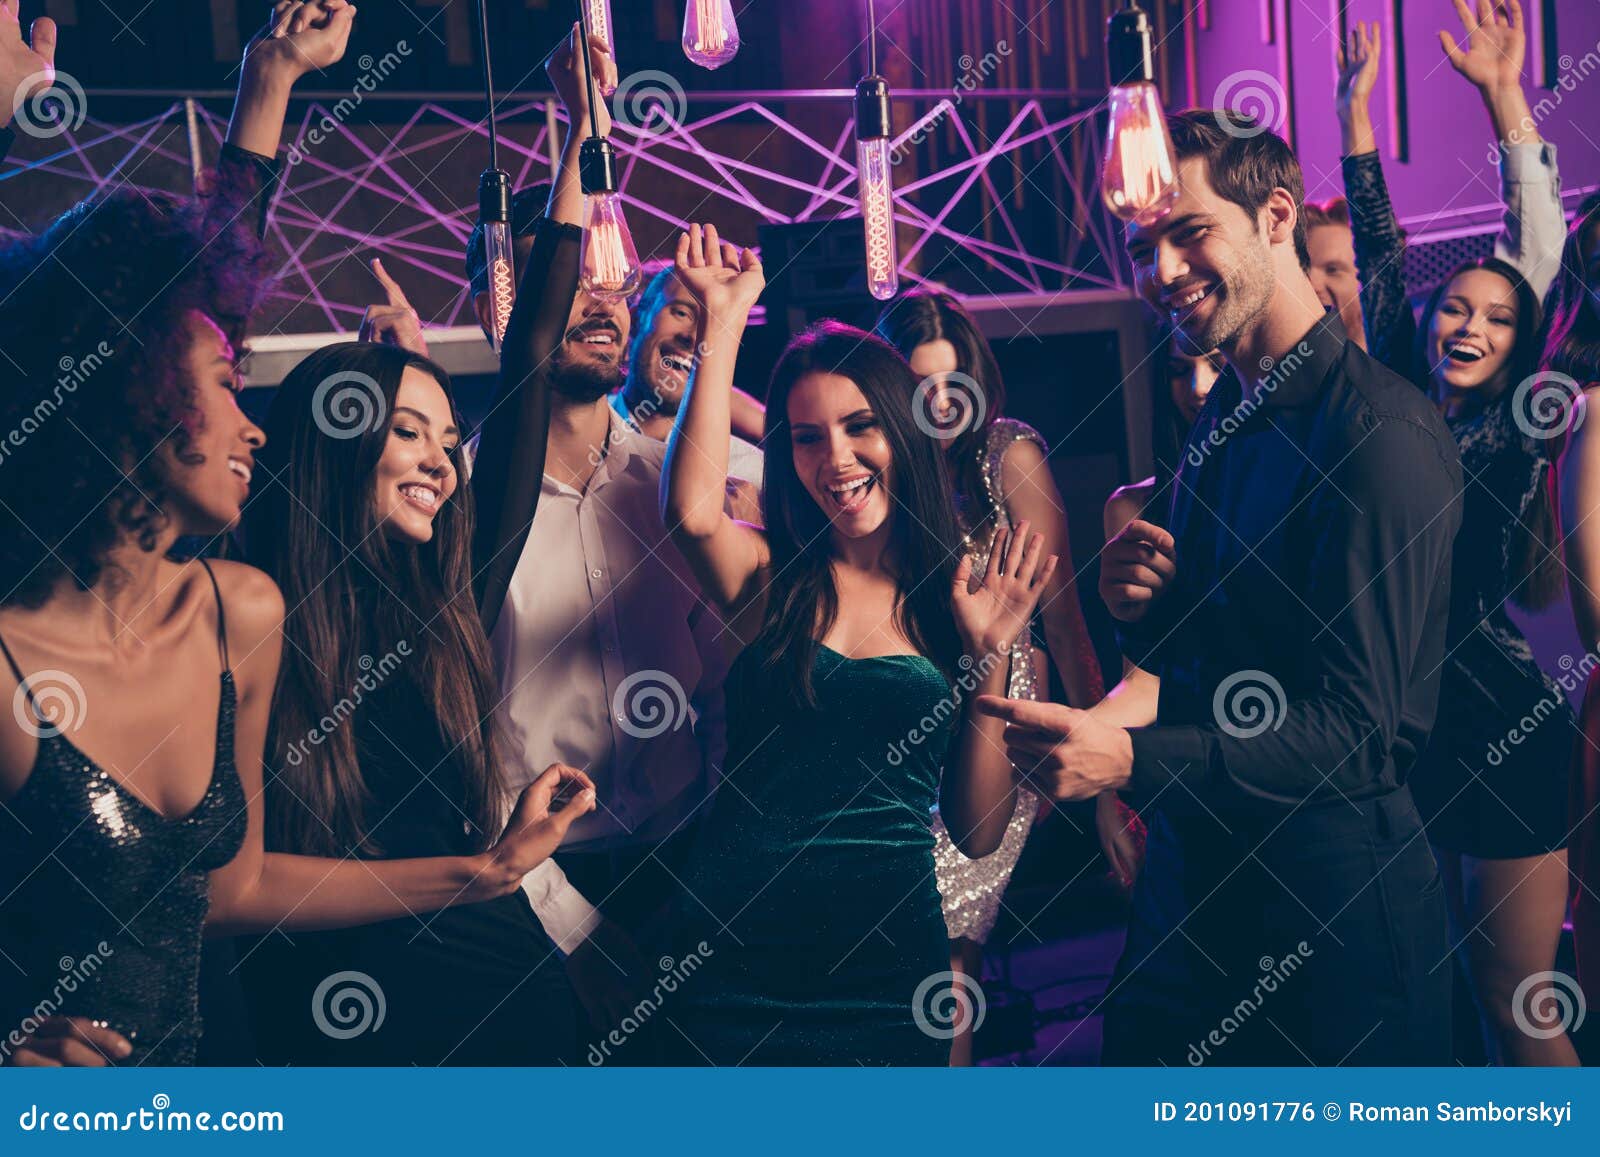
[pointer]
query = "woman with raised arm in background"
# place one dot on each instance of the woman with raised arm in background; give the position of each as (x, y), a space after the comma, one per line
(1492, 791)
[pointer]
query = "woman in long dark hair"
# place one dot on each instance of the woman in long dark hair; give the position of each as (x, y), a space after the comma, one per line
(1571, 364)
(1492, 790)
(1000, 476)
(1496, 805)
(131, 776)
(140, 682)
(382, 742)
(814, 905)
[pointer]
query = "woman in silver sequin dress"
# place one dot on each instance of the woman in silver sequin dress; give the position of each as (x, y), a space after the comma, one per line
(1001, 476)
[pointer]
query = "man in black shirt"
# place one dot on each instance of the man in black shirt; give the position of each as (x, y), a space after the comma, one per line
(1289, 911)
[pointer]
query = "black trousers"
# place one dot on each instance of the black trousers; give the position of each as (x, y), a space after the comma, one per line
(637, 888)
(1312, 937)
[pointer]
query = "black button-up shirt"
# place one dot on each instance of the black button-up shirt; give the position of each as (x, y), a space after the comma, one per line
(1300, 644)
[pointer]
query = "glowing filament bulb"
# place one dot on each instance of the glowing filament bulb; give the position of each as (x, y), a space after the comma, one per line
(599, 13)
(873, 176)
(609, 264)
(502, 279)
(710, 35)
(1139, 179)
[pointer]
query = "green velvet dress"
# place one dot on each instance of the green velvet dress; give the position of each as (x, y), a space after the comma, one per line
(812, 882)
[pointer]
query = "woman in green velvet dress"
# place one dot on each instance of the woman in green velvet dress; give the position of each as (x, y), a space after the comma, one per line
(810, 906)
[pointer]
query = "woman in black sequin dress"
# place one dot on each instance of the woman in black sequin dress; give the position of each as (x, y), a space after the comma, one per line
(130, 766)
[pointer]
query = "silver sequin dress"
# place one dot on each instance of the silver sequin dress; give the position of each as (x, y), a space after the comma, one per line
(970, 890)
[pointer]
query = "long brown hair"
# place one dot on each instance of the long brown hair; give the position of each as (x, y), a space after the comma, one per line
(803, 602)
(312, 526)
(922, 316)
(1537, 576)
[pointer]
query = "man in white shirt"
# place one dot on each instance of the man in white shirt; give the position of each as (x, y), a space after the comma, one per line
(603, 648)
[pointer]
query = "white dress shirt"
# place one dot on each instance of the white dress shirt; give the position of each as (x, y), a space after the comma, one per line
(745, 459)
(607, 657)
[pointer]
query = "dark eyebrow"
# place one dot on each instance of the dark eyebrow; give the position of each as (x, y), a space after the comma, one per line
(1169, 225)
(423, 418)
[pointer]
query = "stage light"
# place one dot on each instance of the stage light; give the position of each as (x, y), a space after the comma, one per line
(494, 210)
(494, 214)
(710, 34)
(1139, 178)
(875, 186)
(600, 25)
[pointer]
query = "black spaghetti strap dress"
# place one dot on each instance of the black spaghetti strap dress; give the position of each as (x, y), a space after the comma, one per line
(102, 898)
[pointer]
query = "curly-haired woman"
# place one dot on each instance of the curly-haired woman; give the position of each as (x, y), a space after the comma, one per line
(130, 771)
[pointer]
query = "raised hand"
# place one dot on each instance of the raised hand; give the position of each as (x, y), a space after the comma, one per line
(545, 810)
(1135, 568)
(565, 70)
(1358, 65)
(395, 322)
(1496, 44)
(301, 36)
(995, 615)
(24, 68)
(722, 277)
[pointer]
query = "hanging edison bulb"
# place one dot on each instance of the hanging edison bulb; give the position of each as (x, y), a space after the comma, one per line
(1138, 180)
(710, 35)
(599, 13)
(494, 214)
(875, 186)
(608, 263)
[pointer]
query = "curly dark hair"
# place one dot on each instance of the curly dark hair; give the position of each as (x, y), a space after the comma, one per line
(94, 335)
